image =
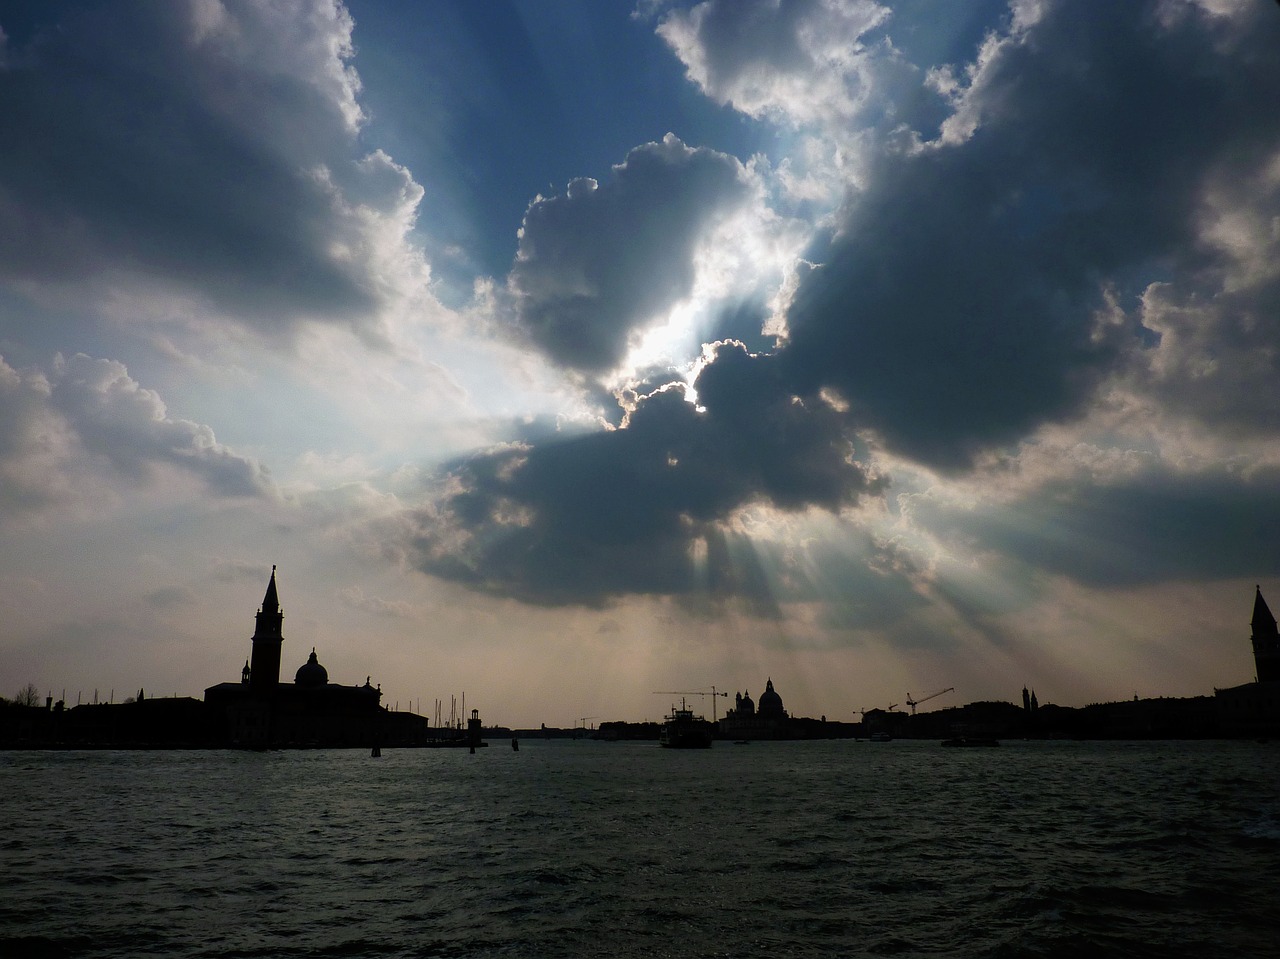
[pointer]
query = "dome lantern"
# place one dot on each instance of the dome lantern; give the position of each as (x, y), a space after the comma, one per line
(311, 673)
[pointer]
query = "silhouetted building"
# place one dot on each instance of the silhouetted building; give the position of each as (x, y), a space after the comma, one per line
(257, 712)
(882, 723)
(1029, 702)
(770, 707)
(1266, 641)
(268, 638)
(261, 711)
(1254, 708)
(745, 721)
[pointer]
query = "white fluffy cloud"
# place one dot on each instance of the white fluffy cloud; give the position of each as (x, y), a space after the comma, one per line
(798, 63)
(85, 425)
(825, 71)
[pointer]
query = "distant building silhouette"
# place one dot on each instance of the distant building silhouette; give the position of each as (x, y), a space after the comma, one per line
(1254, 708)
(261, 711)
(268, 638)
(770, 707)
(745, 721)
(1266, 641)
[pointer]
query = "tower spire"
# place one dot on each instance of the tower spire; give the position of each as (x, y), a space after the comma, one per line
(264, 670)
(271, 601)
(1262, 621)
(1266, 641)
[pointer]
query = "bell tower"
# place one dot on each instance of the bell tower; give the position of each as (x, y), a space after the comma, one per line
(264, 673)
(1266, 641)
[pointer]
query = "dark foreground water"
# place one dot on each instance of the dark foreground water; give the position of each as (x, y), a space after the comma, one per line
(594, 849)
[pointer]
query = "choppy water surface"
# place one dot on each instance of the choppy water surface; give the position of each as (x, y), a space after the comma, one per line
(595, 849)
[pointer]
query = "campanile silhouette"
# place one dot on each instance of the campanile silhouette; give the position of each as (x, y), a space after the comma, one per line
(264, 671)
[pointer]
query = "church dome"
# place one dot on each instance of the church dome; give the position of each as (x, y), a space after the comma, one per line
(770, 701)
(311, 673)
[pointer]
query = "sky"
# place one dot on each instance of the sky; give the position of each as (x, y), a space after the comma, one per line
(568, 355)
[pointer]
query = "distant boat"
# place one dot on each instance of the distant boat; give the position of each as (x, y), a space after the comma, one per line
(880, 738)
(683, 730)
(970, 741)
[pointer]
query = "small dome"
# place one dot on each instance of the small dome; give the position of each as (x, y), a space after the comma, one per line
(311, 673)
(770, 701)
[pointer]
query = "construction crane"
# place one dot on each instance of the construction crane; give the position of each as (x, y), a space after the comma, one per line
(913, 703)
(697, 692)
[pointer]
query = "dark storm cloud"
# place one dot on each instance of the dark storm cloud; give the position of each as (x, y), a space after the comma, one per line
(977, 288)
(627, 511)
(597, 264)
(957, 308)
(207, 147)
(1147, 529)
(1217, 362)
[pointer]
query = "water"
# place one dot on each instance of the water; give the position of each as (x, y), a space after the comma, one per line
(593, 849)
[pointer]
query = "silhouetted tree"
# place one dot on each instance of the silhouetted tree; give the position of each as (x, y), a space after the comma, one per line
(28, 695)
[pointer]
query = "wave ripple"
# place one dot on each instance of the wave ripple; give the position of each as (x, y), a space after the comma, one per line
(575, 849)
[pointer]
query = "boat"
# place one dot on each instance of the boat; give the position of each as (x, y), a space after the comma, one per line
(880, 738)
(684, 730)
(970, 741)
